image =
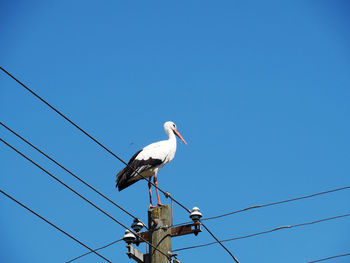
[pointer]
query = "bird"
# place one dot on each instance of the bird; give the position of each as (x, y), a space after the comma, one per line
(148, 161)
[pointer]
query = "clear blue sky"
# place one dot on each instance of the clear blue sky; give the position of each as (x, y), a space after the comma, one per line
(259, 89)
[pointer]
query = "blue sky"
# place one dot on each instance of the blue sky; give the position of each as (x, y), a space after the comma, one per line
(259, 90)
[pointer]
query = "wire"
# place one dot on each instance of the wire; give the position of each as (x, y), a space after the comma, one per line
(58, 180)
(268, 204)
(116, 241)
(47, 221)
(86, 133)
(71, 173)
(96, 141)
(173, 250)
(277, 203)
(324, 259)
(267, 231)
(218, 241)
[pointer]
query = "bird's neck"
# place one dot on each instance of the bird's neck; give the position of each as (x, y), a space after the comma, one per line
(172, 145)
(171, 136)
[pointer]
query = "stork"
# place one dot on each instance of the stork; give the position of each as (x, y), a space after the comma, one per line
(147, 162)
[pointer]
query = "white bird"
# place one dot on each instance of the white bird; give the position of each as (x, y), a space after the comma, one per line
(147, 162)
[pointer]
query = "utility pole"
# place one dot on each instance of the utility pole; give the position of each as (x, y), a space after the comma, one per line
(159, 222)
(159, 235)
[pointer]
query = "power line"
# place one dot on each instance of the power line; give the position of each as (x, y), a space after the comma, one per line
(104, 147)
(86, 133)
(71, 173)
(257, 234)
(265, 232)
(277, 203)
(166, 193)
(218, 241)
(47, 221)
(58, 180)
(324, 259)
(269, 204)
(87, 253)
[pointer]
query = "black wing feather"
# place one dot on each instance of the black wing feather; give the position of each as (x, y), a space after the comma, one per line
(129, 175)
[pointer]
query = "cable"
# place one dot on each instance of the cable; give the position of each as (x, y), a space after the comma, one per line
(96, 141)
(173, 250)
(71, 173)
(277, 203)
(87, 134)
(116, 241)
(265, 232)
(324, 259)
(218, 241)
(269, 204)
(47, 221)
(58, 180)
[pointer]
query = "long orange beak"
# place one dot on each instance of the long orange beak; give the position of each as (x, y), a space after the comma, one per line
(179, 135)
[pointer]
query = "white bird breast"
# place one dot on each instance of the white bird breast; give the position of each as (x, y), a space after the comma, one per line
(163, 150)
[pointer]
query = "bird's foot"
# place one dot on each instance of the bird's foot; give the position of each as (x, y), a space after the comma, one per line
(151, 206)
(160, 204)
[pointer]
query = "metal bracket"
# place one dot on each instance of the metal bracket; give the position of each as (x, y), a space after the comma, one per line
(194, 228)
(137, 255)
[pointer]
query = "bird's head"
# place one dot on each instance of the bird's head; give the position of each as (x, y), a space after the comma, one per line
(170, 126)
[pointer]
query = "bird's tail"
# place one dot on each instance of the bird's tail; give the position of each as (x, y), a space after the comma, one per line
(124, 178)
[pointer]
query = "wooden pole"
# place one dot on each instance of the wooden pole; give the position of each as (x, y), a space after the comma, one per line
(159, 220)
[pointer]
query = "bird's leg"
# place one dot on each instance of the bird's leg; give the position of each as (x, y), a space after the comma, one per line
(156, 184)
(150, 192)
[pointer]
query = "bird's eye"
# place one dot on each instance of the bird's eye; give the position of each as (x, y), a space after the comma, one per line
(174, 125)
